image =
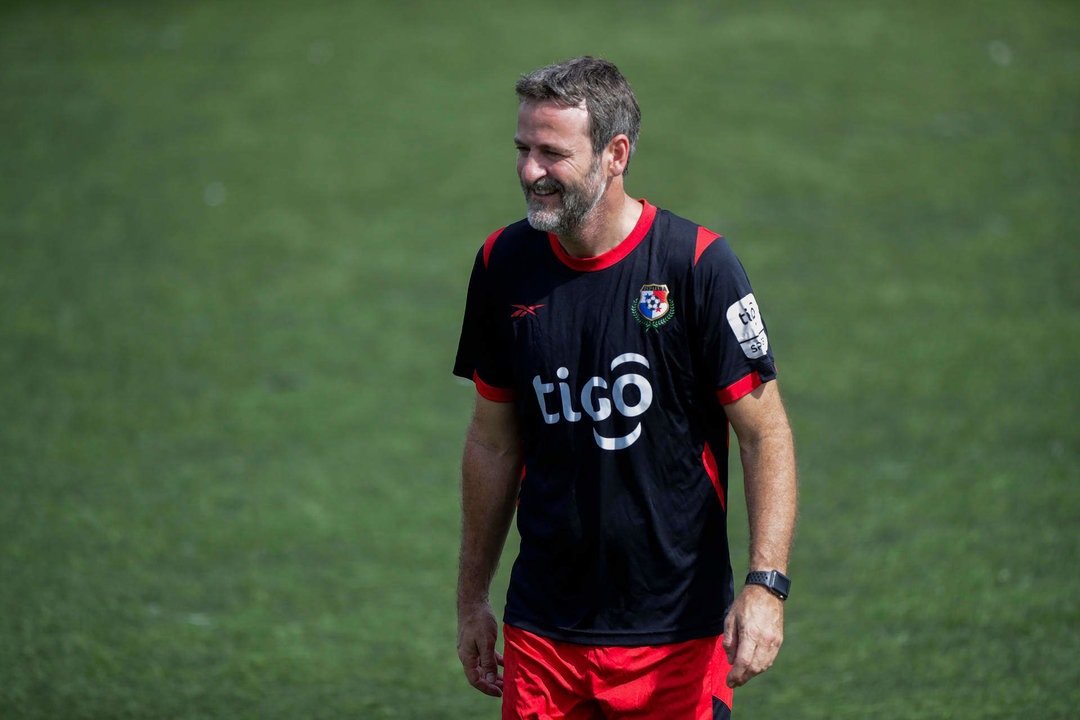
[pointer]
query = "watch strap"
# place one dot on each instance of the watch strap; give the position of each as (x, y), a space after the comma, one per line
(775, 581)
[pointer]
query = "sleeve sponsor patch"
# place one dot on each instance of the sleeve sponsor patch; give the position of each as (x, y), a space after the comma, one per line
(744, 318)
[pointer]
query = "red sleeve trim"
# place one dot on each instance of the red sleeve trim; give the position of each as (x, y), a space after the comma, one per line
(615, 254)
(737, 389)
(490, 243)
(495, 394)
(704, 240)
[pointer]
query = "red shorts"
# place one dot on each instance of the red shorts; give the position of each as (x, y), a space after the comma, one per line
(550, 679)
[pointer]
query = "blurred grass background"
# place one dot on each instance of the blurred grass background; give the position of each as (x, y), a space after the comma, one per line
(234, 244)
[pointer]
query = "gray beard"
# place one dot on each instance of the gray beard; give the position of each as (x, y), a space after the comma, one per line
(577, 203)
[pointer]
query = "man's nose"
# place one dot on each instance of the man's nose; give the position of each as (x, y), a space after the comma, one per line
(530, 170)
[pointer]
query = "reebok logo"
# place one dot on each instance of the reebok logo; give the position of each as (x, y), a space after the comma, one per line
(523, 310)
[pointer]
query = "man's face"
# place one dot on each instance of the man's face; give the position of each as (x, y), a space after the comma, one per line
(560, 176)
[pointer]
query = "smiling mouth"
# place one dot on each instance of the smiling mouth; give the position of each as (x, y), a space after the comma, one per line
(543, 188)
(542, 193)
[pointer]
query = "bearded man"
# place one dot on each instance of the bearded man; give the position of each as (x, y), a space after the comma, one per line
(612, 345)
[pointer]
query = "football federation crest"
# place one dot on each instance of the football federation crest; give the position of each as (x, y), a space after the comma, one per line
(653, 306)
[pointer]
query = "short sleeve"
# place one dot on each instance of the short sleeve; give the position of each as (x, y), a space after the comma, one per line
(735, 354)
(482, 353)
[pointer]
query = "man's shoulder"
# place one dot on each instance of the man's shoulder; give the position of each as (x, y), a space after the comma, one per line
(517, 241)
(675, 224)
(690, 240)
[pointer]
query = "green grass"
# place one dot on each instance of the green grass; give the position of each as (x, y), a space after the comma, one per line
(234, 242)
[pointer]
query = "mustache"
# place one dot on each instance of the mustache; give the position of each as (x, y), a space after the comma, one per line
(543, 185)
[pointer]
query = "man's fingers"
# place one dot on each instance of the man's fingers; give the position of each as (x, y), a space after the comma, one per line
(470, 661)
(499, 658)
(487, 664)
(731, 638)
(490, 678)
(755, 656)
(481, 675)
(482, 680)
(740, 667)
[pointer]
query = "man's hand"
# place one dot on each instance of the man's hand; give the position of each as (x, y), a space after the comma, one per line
(753, 633)
(477, 633)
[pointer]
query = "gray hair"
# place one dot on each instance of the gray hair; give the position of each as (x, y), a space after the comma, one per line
(612, 107)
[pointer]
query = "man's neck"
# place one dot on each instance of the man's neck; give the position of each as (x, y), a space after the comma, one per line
(610, 222)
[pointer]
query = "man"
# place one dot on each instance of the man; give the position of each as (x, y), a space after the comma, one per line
(611, 344)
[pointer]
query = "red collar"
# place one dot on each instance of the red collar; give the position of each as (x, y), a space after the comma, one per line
(615, 254)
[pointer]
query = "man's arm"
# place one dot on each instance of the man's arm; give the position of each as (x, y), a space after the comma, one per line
(754, 629)
(490, 479)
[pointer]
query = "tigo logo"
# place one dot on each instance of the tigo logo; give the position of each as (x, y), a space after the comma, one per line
(598, 398)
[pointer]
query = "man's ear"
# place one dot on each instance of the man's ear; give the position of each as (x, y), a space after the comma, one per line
(618, 150)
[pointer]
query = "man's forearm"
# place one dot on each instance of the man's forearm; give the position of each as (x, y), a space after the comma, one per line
(768, 460)
(489, 490)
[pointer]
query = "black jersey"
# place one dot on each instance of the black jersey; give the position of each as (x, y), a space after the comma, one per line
(619, 366)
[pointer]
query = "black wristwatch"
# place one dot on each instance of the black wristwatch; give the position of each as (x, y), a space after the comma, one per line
(777, 582)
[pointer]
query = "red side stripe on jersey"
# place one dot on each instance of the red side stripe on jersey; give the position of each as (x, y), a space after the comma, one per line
(495, 394)
(489, 243)
(519, 484)
(737, 389)
(704, 240)
(709, 460)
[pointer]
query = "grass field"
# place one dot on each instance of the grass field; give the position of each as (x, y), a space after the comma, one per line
(234, 242)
